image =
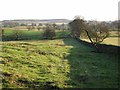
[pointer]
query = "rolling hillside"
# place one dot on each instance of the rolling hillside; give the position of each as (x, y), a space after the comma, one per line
(61, 63)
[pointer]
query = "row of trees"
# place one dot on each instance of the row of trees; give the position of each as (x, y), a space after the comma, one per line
(32, 26)
(95, 31)
(43, 26)
(111, 24)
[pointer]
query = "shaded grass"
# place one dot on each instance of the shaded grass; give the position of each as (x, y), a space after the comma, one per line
(92, 70)
(62, 63)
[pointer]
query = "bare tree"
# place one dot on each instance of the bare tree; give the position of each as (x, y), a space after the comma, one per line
(17, 34)
(96, 33)
(29, 27)
(1, 32)
(76, 27)
(54, 26)
(39, 26)
(49, 32)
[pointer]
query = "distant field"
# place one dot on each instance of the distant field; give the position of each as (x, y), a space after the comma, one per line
(112, 41)
(60, 63)
(37, 35)
(109, 41)
(114, 33)
(9, 34)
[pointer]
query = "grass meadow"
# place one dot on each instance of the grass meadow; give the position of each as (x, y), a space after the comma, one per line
(9, 34)
(58, 63)
(62, 63)
(24, 34)
(109, 41)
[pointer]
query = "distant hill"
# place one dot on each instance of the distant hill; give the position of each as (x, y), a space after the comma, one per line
(28, 21)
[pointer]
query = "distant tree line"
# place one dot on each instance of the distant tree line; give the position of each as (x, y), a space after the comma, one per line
(10, 24)
(113, 25)
(32, 26)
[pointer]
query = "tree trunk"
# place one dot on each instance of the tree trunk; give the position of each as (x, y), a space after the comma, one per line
(97, 49)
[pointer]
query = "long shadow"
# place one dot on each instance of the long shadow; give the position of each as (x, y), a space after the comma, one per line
(89, 69)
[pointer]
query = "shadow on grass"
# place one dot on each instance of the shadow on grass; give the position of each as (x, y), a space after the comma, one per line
(89, 69)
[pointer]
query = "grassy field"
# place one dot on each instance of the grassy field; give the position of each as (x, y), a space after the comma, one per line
(60, 63)
(109, 41)
(112, 41)
(38, 35)
(114, 33)
(9, 34)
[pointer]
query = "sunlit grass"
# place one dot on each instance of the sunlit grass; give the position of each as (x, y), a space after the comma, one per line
(9, 34)
(109, 41)
(62, 63)
(112, 41)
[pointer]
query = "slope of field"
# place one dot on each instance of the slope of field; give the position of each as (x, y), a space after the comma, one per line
(62, 63)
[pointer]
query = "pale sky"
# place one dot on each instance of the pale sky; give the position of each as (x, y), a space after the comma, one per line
(102, 10)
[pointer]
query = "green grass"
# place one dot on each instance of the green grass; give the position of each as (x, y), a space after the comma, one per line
(62, 63)
(9, 34)
(23, 35)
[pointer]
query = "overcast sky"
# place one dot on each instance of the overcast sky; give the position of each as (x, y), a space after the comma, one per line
(102, 10)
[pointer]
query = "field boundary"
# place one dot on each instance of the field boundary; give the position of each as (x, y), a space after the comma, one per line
(111, 49)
